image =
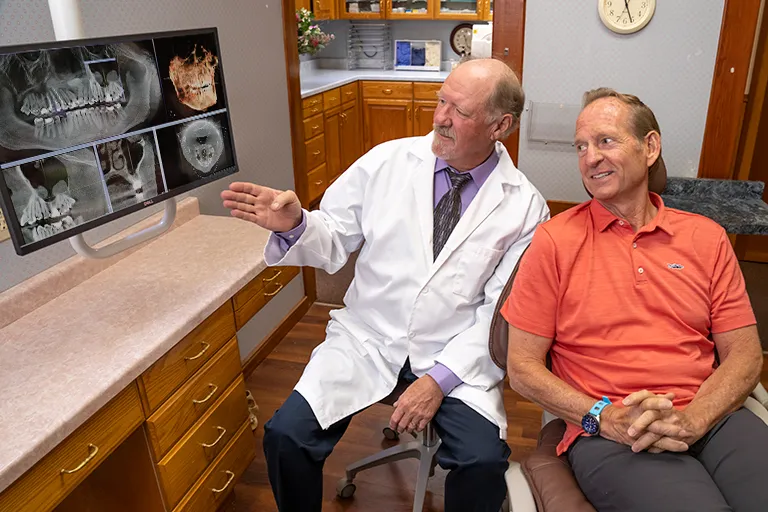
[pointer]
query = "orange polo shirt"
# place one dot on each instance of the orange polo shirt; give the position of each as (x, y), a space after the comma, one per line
(629, 311)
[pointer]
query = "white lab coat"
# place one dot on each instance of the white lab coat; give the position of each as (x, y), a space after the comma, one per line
(401, 304)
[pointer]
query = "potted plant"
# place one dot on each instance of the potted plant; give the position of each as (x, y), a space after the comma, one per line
(311, 38)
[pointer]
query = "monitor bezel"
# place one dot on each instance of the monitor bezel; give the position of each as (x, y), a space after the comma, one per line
(12, 220)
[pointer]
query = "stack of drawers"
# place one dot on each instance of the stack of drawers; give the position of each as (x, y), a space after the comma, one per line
(256, 294)
(197, 416)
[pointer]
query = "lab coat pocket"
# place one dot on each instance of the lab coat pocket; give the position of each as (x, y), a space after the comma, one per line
(476, 265)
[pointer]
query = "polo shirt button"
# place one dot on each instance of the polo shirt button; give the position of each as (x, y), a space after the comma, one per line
(634, 245)
(640, 270)
(621, 223)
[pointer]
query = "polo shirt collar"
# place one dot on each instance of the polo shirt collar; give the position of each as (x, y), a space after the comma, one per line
(603, 218)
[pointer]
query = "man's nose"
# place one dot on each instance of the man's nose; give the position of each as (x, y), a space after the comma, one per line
(441, 117)
(593, 155)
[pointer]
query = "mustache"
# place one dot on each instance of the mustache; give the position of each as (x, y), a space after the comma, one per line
(443, 130)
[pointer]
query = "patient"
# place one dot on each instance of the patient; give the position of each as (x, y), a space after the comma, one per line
(651, 334)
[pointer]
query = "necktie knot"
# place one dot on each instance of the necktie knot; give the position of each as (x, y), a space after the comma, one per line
(458, 179)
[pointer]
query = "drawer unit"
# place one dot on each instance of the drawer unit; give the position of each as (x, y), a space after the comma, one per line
(248, 291)
(315, 150)
(271, 287)
(219, 480)
(49, 481)
(313, 101)
(349, 92)
(388, 90)
(172, 420)
(184, 359)
(426, 90)
(181, 467)
(313, 126)
(331, 99)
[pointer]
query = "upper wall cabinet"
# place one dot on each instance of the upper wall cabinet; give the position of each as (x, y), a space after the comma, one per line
(414, 9)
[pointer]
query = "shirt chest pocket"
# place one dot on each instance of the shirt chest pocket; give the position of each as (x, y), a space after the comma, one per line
(475, 266)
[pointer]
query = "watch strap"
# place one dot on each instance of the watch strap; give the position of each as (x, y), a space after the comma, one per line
(599, 406)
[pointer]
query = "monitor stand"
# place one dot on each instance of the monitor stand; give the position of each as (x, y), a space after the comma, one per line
(85, 250)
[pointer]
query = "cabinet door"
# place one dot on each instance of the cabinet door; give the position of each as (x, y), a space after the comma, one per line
(386, 120)
(324, 9)
(424, 112)
(354, 9)
(333, 136)
(459, 10)
(409, 9)
(351, 143)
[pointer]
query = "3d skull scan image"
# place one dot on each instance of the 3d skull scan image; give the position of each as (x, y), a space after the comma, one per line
(131, 170)
(190, 71)
(56, 193)
(59, 98)
(193, 78)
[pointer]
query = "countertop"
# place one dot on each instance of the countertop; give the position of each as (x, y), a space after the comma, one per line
(315, 81)
(65, 360)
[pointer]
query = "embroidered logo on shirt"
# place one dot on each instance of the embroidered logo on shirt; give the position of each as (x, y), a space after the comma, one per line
(675, 266)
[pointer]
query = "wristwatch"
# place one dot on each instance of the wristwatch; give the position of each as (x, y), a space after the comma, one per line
(591, 421)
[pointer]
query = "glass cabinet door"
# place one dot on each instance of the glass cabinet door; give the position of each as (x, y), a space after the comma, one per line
(363, 9)
(459, 9)
(408, 9)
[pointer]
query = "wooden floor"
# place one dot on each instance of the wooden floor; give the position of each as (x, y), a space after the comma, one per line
(388, 488)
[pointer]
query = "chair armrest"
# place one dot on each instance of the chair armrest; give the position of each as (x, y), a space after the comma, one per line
(761, 395)
(757, 408)
(518, 492)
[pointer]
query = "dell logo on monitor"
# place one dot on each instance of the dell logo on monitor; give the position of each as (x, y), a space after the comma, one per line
(149, 202)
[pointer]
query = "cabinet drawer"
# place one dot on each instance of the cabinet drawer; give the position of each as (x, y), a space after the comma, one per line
(426, 90)
(179, 470)
(184, 359)
(221, 477)
(47, 483)
(311, 111)
(189, 403)
(313, 126)
(349, 92)
(250, 290)
(331, 99)
(312, 101)
(283, 277)
(394, 90)
(315, 150)
(317, 182)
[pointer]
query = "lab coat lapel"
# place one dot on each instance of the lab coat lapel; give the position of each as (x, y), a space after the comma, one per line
(424, 192)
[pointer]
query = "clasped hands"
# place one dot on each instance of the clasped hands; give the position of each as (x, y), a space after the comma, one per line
(646, 421)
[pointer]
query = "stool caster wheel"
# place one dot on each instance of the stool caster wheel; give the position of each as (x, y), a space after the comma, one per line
(345, 489)
(390, 434)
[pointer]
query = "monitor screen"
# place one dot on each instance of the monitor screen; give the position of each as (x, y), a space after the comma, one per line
(92, 130)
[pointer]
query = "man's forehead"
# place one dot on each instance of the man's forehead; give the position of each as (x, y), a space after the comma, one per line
(603, 113)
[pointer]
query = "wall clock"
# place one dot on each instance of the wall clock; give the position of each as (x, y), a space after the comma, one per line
(461, 39)
(626, 16)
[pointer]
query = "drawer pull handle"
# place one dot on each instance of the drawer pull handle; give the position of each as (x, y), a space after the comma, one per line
(315, 127)
(199, 354)
(349, 93)
(315, 153)
(318, 183)
(92, 451)
(387, 91)
(270, 279)
(222, 431)
(229, 481)
(210, 395)
(277, 290)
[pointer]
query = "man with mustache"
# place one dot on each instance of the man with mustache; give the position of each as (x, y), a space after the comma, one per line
(440, 222)
(631, 300)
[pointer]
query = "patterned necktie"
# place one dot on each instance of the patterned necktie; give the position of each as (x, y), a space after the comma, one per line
(448, 210)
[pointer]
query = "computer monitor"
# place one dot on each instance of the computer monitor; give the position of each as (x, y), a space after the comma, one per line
(92, 130)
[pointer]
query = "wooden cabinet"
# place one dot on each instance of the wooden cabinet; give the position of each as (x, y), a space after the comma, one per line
(333, 141)
(415, 9)
(424, 105)
(386, 119)
(351, 142)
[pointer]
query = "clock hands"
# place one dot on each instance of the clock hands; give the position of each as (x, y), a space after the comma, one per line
(626, 6)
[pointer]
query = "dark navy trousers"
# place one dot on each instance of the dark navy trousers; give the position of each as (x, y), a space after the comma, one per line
(296, 447)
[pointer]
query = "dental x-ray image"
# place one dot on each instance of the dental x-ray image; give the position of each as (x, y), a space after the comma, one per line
(194, 150)
(56, 193)
(191, 76)
(53, 99)
(131, 170)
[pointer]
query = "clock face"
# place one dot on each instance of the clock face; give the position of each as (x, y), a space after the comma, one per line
(461, 39)
(626, 16)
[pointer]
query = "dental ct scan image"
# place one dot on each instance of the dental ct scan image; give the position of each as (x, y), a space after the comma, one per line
(93, 130)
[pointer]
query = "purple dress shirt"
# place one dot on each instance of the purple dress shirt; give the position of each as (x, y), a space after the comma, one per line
(445, 378)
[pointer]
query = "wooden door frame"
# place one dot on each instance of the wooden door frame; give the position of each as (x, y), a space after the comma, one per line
(508, 45)
(728, 98)
(292, 64)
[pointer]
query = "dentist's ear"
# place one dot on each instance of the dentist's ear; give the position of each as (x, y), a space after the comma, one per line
(504, 127)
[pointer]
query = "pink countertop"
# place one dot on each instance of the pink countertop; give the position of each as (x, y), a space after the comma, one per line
(63, 361)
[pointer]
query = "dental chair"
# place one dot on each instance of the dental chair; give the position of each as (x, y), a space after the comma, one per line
(544, 482)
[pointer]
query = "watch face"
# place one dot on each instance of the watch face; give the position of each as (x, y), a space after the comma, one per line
(590, 424)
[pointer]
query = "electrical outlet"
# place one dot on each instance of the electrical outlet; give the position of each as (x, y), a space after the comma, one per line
(4, 235)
